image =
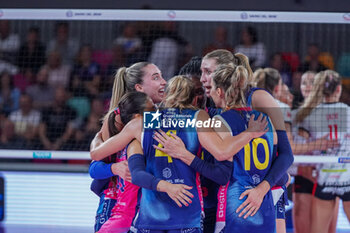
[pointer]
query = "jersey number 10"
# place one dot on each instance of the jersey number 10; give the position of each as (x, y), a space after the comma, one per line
(248, 151)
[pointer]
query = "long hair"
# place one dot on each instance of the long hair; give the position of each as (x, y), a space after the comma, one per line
(179, 93)
(325, 84)
(233, 80)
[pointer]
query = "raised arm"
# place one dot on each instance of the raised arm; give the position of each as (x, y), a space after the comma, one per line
(100, 150)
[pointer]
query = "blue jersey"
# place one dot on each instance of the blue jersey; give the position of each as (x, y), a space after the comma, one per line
(250, 166)
(157, 210)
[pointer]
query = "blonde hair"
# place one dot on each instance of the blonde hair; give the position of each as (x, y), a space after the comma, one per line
(233, 80)
(267, 79)
(179, 93)
(325, 84)
(225, 57)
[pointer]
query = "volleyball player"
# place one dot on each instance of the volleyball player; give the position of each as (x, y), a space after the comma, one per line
(322, 114)
(306, 178)
(270, 80)
(144, 77)
(125, 193)
(261, 101)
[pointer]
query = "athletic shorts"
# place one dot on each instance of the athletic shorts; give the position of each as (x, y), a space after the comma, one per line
(104, 211)
(303, 185)
(330, 193)
(184, 230)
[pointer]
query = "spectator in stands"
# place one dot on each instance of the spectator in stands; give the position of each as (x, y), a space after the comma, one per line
(87, 131)
(58, 72)
(26, 119)
(252, 48)
(57, 125)
(168, 49)
(9, 94)
(9, 42)
(23, 79)
(283, 68)
(41, 93)
(219, 42)
(130, 43)
(86, 74)
(311, 62)
(68, 47)
(118, 61)
(8, 139)
(32, 52)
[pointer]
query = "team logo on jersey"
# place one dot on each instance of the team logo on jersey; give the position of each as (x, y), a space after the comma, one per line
(256, 179)
(167, 173)
(151, 120)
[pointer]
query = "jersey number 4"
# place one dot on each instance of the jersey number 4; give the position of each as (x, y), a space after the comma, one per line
(248, 151)
(161, 153)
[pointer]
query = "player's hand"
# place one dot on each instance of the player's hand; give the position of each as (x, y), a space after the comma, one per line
(172, 145)
(179, 193)
(257, 127)
(121, 169)
(252, 204)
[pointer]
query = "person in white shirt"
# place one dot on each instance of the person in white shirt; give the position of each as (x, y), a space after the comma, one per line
(9, 42)
(252, 48)
(26, 119)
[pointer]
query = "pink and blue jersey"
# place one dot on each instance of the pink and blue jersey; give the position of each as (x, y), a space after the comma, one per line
(157, 210)
(250, 166)
(126, 205)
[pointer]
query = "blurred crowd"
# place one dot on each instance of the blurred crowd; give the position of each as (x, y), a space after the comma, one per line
(54, 93)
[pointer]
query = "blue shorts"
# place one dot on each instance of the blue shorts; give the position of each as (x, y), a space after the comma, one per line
(103, 212)
(184, 230)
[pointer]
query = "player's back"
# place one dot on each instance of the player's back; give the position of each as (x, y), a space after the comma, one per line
(331, 119)
(157, 210)
(250, 166)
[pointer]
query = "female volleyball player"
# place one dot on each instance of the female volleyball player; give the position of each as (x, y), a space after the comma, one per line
(210, 141)
(322, 114)
(144, 77)
(261, 101)
(270, 80)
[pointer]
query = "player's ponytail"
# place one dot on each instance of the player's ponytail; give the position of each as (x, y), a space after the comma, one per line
(242, 60)
(233, 80)
(325, 84)
(119, 88)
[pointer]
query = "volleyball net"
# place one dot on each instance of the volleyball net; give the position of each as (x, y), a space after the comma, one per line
(62, 57)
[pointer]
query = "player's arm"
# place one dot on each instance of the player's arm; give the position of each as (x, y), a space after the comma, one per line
(140, 177)
(99, 150)
(219, 172)
(225, 148)
(264, 102)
